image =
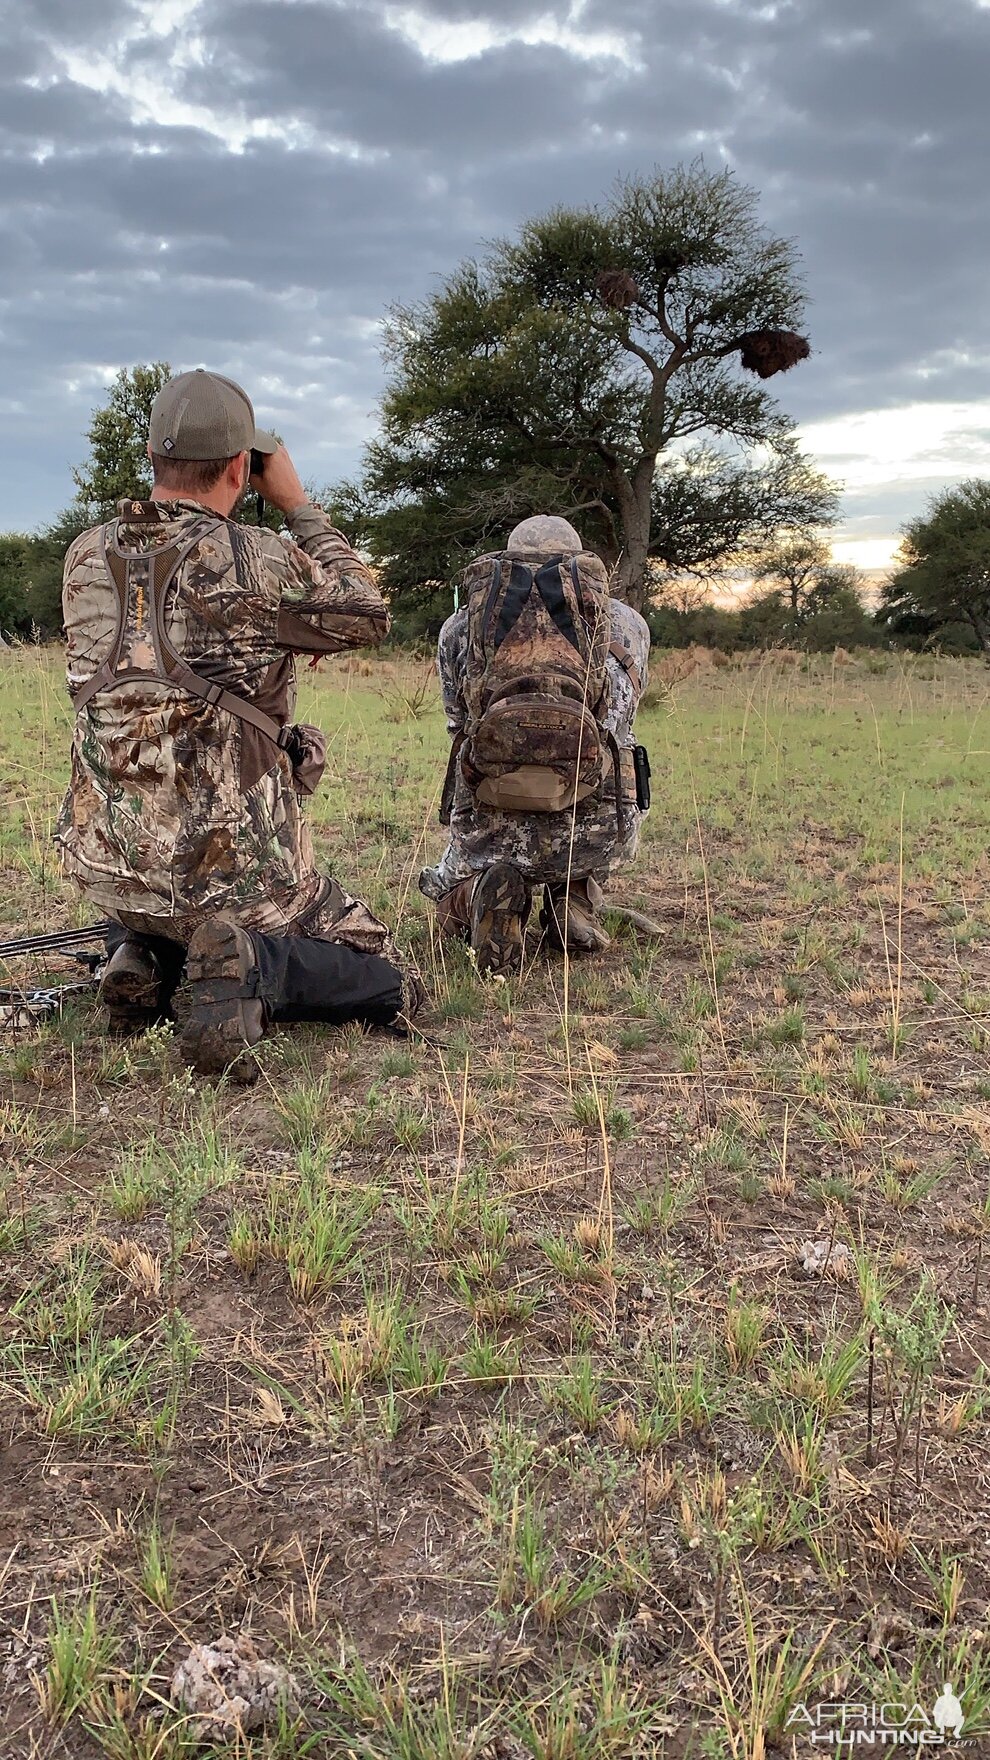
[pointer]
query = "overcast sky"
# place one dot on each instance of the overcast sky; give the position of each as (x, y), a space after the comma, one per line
(248, 184)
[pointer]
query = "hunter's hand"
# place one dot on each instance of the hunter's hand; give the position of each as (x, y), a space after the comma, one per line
(279, 483)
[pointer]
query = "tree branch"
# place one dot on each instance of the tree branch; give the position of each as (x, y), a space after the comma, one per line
(562, 442)
(662, 319)
(644, 354)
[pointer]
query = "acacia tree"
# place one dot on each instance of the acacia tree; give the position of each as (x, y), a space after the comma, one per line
(118, 466)
(795, 566)
(563, 370)
(944, 577)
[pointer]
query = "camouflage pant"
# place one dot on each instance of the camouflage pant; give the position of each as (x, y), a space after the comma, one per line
(545, 847)
(333, 915)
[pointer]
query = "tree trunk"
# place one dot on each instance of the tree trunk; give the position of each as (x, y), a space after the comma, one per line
(980, 631)
(630, 580)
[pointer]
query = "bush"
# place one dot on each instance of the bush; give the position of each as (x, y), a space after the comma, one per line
(30, 585)
(417, 624)
(766, 622)
(707, 625)
(842, 621)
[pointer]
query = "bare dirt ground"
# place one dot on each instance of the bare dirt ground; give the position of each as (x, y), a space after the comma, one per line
(603, 1373)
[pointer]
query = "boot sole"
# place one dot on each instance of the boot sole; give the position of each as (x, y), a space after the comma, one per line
(499, 908)
(218, 1020)
(132, 1000)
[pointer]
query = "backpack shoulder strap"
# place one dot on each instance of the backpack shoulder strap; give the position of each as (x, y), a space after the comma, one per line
(517, 591)
(153, 571)
(165, 565)
(550, 589)
(628, 664)
(115, 566)
(141, 575)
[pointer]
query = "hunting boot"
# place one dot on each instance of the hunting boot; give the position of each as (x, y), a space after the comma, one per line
(238, 982)
(131, 987)
(500, 905)
(220, 1009)
(570, 917)
(454, 911)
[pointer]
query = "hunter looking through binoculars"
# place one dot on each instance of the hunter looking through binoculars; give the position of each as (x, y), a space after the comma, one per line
(184, 823)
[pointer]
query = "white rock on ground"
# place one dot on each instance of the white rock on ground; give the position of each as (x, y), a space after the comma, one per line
(229, 1690)
(816, 1257)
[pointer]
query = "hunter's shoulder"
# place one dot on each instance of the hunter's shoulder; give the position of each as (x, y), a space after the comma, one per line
(453, 630)
(269, 545)
(628, 625)
(86, 545)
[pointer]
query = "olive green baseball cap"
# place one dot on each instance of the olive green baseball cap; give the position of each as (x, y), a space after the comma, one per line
(204, 415)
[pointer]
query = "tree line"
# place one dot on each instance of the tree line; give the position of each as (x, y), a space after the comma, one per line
(609, 364)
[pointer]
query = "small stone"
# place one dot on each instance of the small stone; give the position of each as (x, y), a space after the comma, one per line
(814, 1258)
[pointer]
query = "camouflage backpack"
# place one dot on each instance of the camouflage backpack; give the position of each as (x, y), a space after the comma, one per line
(539, 632)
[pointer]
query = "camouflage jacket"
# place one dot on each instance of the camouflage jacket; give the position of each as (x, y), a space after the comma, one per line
(545, 846)
(174, 809)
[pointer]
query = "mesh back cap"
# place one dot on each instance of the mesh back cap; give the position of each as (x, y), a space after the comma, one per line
(204, 415)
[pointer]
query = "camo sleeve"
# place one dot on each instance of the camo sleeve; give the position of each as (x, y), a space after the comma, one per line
(330, 600)
(630, 635)
(451, 663)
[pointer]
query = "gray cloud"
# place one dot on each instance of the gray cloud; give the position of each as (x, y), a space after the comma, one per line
(250, 184)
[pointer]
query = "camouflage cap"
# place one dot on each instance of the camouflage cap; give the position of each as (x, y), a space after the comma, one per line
(204, 415)
(545, 531)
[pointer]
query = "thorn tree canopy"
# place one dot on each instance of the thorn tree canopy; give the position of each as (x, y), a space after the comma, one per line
(944, 576)
(557, 374)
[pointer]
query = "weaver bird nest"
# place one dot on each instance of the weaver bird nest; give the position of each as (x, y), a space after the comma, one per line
(765, 352)
(616, 288)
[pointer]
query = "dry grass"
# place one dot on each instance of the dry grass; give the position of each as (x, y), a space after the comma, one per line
(479, 1378)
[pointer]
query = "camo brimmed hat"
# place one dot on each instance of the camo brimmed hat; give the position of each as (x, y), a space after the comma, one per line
(204, 415)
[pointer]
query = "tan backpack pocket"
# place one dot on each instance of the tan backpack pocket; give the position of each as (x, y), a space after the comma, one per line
(533, 788)
(534, 754)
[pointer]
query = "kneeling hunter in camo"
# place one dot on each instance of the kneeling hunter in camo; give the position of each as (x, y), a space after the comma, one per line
(184, 818)
(541, 673)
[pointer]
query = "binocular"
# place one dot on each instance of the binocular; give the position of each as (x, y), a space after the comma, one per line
(257, 470)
